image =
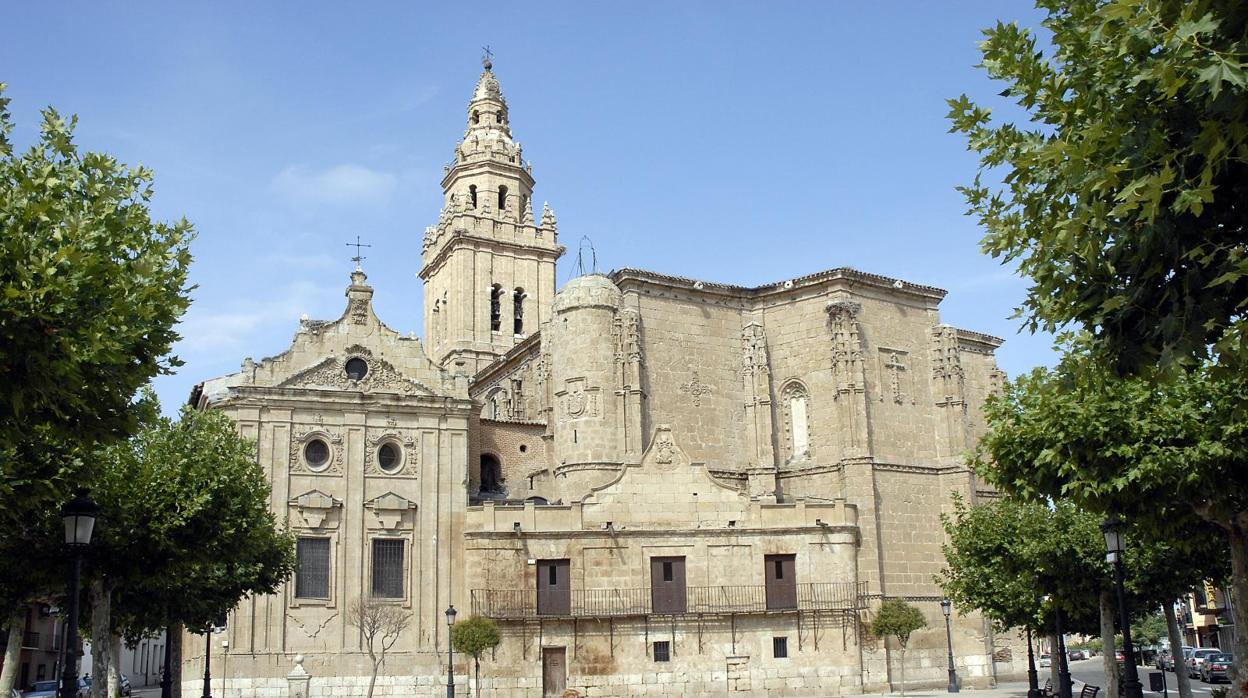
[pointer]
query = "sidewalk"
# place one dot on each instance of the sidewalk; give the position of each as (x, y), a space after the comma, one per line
(1013, 689)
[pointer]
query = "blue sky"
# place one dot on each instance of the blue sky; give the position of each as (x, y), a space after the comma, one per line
(739, 142)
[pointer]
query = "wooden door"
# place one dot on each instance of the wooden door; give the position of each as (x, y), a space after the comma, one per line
(554, 589)
(667, 585)
(780, 573)
(554, 671)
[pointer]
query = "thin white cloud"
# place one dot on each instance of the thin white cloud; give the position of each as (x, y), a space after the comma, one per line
(237, 331)
(340, 185)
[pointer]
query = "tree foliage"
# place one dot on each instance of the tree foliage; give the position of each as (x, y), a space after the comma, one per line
(1004, 556)
(186, 530)
(473, 637)
(1125, 198)
(898, 619)
(90, 291)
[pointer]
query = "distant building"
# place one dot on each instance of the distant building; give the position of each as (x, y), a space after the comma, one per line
(654, 484)
(1206, 617)
(40, 658)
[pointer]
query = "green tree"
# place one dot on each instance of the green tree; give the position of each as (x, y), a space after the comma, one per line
(1124, 199)
(1148, 630)
(1165, 455)
(90, 291)
(898, 619)
(473, 637)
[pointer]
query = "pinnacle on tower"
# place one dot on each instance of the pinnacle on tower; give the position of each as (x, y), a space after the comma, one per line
(527, 217)
(548, 216)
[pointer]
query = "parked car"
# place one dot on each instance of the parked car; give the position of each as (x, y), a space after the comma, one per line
(1198, 658)
(50, 689)
(1216, 667)
(1046, 660)
(1119, 656)
(1184, 653)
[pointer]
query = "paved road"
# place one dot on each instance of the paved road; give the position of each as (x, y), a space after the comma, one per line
(1092, 671)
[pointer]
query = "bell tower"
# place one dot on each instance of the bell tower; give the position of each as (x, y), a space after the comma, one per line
(488, 265)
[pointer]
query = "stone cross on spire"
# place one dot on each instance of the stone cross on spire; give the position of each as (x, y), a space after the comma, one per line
(487, 57)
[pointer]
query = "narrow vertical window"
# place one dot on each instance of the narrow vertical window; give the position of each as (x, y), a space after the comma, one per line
(496, 308)
(476, 117)
(502, 198)
(472, 195)
(517, 304)
(663, 651)
(780, 647)
(387, 568)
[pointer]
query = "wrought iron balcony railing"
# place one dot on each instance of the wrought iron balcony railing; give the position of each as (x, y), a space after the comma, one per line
(518, 604)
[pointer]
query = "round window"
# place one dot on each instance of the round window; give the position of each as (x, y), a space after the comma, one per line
(524, 448)
(316, 453)
(356, 368)
(389, 457)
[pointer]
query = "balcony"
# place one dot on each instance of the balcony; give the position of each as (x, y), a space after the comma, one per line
(30, 640)
(521, 604)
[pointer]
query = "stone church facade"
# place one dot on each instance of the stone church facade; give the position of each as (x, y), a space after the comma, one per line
(653, 484)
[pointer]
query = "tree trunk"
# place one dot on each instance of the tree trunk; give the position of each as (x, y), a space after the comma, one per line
(902, 659)
(13, 653)
(1176, 645)
(476, 670)
(1054, 665)
(372, 680)
(114, 666)
(1239, 602)
(175, 663)
(1107, 640)
(100, 639)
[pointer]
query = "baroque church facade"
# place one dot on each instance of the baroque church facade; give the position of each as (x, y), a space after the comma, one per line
(653, 484)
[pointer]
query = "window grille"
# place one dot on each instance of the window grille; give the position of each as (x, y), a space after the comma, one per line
(780, 647)
(662, 651)
(312, 568)
(388, 568)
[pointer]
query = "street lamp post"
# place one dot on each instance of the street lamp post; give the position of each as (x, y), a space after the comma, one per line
(947, 607)
(1131, 686)
(208, 662)
(1033, 681)
(1063, 663)
(79, 516)
(450, 653)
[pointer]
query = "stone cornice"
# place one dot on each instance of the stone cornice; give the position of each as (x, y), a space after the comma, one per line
(464, 238)
(978, 341)
(264, 396)
(717, 532)
(920, 469)
(891, 286)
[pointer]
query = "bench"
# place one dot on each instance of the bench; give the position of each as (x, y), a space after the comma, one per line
(1048, 687)
(1089, 691)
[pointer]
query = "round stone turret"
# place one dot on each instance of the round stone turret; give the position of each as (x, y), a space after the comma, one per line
(586, 419)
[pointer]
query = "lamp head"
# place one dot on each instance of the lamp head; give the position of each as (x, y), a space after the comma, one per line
(450, 615)
(1112, 529)
(946, 607)
(79, 516)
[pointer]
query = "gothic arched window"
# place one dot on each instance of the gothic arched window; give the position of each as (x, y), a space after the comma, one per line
(517, 302)
(476, 117)
(496, 308)
(502, 198)
(472, 195)
(795, 401)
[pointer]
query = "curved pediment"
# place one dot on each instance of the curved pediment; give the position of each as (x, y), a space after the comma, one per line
(332, 373)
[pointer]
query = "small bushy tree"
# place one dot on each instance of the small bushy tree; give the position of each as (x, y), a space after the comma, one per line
(898, 619)
(473, 637)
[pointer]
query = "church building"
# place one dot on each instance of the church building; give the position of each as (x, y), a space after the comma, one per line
(653, 484)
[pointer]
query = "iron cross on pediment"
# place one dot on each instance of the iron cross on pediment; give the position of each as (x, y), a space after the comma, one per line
(357, 245)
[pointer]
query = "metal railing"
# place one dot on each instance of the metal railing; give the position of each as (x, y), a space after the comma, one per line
(30, 639)
(637, 601)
